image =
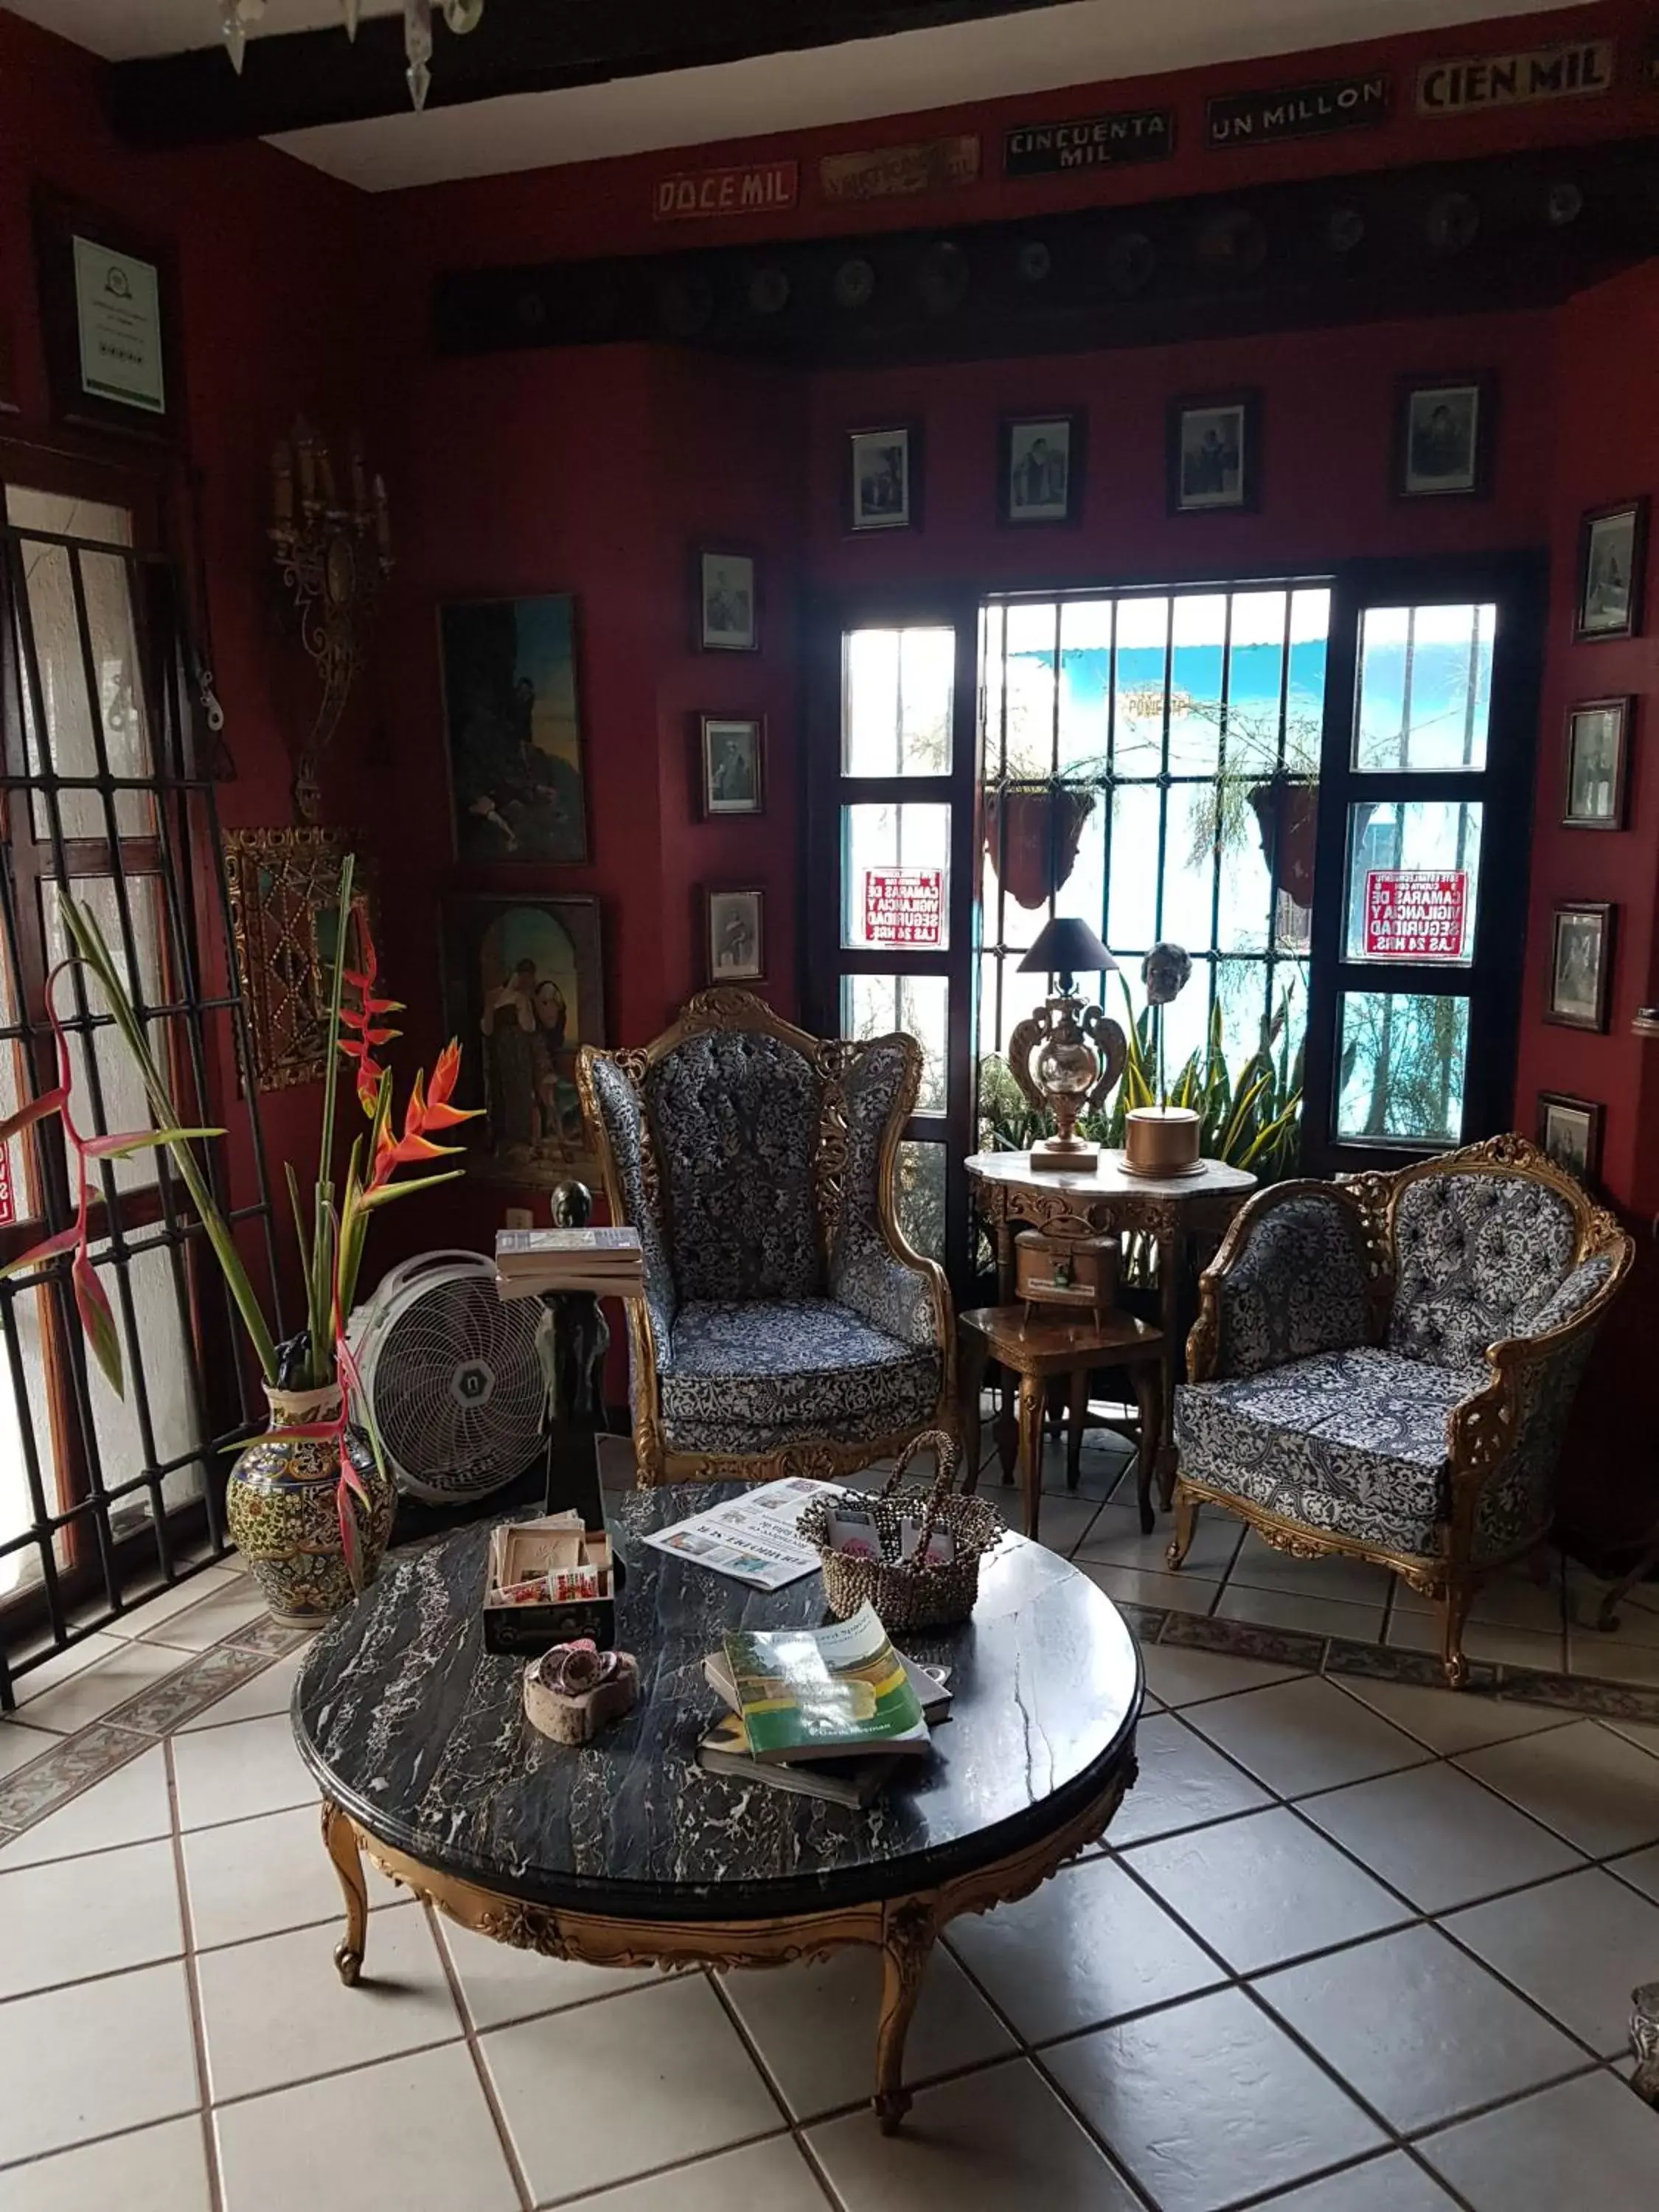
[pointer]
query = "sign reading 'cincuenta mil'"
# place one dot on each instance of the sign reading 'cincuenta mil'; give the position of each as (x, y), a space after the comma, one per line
(1298, 111)
(1088, 142)
(1515, 79)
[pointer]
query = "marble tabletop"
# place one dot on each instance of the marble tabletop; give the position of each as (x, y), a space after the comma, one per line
(1111, 1179)
(419, 1733)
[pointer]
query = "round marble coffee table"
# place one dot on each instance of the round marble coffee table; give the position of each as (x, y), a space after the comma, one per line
(627, 1853)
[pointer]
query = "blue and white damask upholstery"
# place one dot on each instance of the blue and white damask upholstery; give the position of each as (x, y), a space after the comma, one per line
(760, 1338)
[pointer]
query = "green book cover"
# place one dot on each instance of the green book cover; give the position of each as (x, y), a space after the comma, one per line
(823, 1692)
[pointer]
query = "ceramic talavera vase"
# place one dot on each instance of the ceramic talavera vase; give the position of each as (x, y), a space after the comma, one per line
(282, 1511)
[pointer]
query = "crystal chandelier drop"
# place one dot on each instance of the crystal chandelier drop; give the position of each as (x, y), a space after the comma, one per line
(237, 16)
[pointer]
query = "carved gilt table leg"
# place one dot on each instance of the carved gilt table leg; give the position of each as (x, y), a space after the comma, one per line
(1168, 1292)
(340, 1842)
(907, 1939)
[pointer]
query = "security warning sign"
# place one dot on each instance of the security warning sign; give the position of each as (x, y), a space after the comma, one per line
(1416, 913)
(904, 906)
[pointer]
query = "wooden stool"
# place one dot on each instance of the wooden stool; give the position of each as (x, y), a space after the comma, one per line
(1061, 1343)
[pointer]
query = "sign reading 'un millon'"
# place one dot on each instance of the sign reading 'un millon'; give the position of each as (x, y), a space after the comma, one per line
(1088, 142)
(1298, 111)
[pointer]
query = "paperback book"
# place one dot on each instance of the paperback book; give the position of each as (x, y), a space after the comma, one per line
(807, 1693)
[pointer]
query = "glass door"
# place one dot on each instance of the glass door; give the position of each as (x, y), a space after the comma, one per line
(890, 784)
(1420, 904)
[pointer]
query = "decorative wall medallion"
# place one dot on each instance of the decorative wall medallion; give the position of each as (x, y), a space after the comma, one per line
(1516, 80)
(1298, 111)
(854, 283)
(1131, 262)
(768, 290)
(1452, 222)
(1033, 261)
(758, 188)
(1088, 142)
(896, 172)
(942, 279)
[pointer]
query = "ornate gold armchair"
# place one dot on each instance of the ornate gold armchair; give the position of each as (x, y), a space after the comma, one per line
(1383, 1367)
(786, 1327)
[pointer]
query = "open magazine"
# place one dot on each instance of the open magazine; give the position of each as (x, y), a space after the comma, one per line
(751, 1538)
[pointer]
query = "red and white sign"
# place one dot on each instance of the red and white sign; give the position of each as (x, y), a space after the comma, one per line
(904, 906)
(1416, 913)
(756, 190)
(8, 1210)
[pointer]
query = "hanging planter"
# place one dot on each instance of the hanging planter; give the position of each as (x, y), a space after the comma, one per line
(1287, 816)
(1032, 832)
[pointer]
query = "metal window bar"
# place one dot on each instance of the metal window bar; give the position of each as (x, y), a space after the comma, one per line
(101, 1537)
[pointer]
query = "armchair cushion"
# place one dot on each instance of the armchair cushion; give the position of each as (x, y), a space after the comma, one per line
(1477, 1256)
(1296, 1287)
(1353, 1442)
(747, 1375)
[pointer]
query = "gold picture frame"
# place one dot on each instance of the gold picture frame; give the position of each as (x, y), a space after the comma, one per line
(284, 888)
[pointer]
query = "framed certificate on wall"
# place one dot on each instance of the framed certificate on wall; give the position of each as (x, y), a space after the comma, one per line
(109, 318)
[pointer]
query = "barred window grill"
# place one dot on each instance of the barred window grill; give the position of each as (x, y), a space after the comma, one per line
(102, 1499)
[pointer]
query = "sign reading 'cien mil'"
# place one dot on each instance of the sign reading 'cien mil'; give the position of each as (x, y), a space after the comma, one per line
(1088, 142)
(756, 190)
(1298, 111)
(1515, 80)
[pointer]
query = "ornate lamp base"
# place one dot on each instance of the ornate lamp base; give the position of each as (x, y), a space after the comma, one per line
(1061, 1155)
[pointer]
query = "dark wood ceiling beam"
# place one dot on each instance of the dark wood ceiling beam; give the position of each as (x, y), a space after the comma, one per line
(292, 80)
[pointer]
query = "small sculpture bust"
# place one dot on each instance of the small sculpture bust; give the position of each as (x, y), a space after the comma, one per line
(572, 1204)
(1164, 972)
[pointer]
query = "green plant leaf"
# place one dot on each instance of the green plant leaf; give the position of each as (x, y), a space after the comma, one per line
(48, 1102)
(122, 1147)
(98, 1322)
(66, 1240)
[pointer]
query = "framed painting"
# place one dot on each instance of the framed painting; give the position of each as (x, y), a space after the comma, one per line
(1040, 468)
(284, 887)
(730, 764)
(1213, 453)
(883, 478)
(1597, 788)
(734, 934)
(1570, 1131)
(1443, 436)
(523, 987)
(1580, 965)
(513, 728)
(1612, 558)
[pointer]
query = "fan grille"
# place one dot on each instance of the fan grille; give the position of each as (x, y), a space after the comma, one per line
(459, 1387)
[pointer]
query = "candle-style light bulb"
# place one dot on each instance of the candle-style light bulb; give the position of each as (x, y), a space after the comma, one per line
(305, 442)
(282, 483)
(382, 520)
(359, 478)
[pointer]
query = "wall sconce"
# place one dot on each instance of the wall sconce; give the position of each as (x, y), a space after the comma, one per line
(333, 559)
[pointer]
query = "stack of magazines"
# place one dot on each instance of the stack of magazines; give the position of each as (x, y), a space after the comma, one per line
(535, 1263)
(826, 1712)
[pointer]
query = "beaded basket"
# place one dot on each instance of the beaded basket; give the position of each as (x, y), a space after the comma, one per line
(908, 1594)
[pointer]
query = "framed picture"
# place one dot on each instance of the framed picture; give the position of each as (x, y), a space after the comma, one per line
(523, 987)
(516, 775)
(1040, 468)
(1570, 1131)
(734, 935)
(109, 318)
(728, 615)
(1597, 793)
(1214, 454)
(730, 764)
(1443, 442)
(883, 478)
(1580, 965)
(1613, 549)
(285, 894)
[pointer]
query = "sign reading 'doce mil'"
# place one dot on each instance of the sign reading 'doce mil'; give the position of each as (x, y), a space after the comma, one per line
(1088, 141)
(1298, 111)
(1455, 88)
(757, 189)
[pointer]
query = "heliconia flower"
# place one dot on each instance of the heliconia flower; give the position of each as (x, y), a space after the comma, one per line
(440, 1113)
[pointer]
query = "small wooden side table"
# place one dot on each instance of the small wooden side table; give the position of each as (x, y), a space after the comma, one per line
(1060, 1343)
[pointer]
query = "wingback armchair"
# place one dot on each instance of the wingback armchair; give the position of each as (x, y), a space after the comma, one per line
(787, 1327)
(1383, 1367)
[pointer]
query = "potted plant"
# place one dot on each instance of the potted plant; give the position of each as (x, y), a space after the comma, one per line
(310, 1502)
(1035, 816)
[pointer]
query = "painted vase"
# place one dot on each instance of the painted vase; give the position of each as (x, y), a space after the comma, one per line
(282, 1511)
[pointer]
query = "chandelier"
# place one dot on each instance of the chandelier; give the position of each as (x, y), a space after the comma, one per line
(236, 16)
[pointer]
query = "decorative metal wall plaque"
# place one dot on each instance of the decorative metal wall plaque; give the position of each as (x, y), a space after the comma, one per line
(758, 188)
(1518, 80)
(895, 172)
(1088, 142)
(284, 923)
(1298, 111)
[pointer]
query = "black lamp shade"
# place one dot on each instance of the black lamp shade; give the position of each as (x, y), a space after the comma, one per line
(1066, 947)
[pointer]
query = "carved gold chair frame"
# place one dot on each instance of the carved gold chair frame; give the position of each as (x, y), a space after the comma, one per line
(735, 1011)
(1482, 1429)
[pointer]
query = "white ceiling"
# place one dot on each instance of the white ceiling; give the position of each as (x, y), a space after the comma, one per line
(1085, 42)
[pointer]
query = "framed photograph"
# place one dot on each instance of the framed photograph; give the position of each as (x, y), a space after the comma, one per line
(1570, 1131)
(1597, 793)
(1443, 443)
(523, 987)
(734, 935)
(731, 763)
(1040, 468)
(518, 784)
(883, 478)
(1215, 453)
(284, 893)
(109, 318)
(728, 615)
(1580, 965)
(1612, 550)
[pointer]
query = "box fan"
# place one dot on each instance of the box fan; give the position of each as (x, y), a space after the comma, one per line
(459, 1383)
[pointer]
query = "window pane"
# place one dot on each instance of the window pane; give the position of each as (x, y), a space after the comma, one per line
(16, 1511)
(168, 1383)
(1414, 873)
(1143, 630)
(1085, 685)
(896, 876)
(126, 1105)
(921, 1194)
(1133, 872)
(1030, 700)
(1198, 627)
(1400, 1072)
(897, 694)
(875, 1005)
(1424, 687)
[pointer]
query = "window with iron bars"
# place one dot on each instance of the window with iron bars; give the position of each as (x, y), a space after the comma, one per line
(104, 1498)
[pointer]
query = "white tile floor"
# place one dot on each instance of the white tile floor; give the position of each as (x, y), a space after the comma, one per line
(1355, 1945)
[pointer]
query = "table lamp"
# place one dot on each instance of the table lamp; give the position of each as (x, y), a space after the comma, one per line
(1067, 1056)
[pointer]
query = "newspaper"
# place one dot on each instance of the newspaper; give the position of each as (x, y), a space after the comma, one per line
(751, 1538)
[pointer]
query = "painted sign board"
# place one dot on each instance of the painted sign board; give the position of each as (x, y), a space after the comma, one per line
(1416, 913)
(904, 906)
